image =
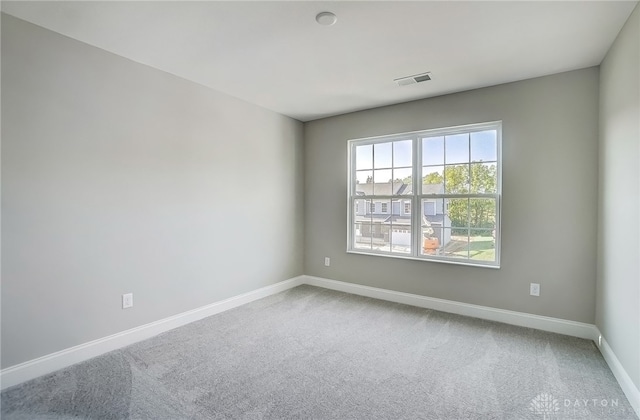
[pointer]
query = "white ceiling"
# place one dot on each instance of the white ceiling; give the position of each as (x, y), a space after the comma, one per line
(275, 55)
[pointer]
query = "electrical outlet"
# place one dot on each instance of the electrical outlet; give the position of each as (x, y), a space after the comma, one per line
(127, 300)
(534, 289)
(327, 261)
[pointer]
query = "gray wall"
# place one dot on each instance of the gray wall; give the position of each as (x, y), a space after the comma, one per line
(120, 178)
(550, 176)
(618, 303)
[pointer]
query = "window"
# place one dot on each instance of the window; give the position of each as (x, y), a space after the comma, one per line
(430, 208)
(372, 207)
(456, 197)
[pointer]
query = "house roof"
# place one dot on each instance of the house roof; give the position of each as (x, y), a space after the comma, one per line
(381, 188)
(426, 189)
(397, 188)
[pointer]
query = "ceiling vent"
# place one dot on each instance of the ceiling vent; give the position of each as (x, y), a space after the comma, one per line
(412, 80)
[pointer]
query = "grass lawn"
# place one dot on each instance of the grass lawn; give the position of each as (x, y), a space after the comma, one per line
(480, 248)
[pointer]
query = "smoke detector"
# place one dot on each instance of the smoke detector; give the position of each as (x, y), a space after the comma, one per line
(412, 80)
(326, 18)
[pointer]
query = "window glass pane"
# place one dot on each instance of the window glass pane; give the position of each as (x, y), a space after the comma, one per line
(400, 223)
(433, 207)
(364, 157)
(402, 153)
(482, 213)
(402, 175)
(431, 243)
(382, 155)
(484, 146)
(362, 224)
(482, 245)
(456, 179)
(432, 175)
(380, 236)
(433, 151)
(401, 235)
(429, 208)
(434, 220)
(380, 209)
(457, 211)
(395, 207)
(456, 148)
(382, 181)
(364, 182)
(484, 178)
(359, 210)
(458, 244)
(362, 236)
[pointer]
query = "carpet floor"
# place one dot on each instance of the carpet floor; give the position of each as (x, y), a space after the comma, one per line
(312, 353)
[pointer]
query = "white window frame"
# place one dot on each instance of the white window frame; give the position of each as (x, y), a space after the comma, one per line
(417, 196)
(384, 207)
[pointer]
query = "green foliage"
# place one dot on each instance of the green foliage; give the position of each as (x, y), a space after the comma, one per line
(483, 178)
(479, 213)
(433, 178)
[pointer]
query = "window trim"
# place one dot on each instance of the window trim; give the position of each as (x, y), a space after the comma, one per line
(416, 196)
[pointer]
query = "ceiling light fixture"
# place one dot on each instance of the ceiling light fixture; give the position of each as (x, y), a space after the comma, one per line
(326, 18)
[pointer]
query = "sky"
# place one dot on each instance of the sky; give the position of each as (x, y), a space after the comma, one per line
(436, 152)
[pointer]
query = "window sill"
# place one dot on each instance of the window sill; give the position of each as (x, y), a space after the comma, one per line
(426, 259)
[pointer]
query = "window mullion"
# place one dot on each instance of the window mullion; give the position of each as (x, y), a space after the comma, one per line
(469, 198)
(351, 219)
(393, 178)
(416, 229)
(468, 228)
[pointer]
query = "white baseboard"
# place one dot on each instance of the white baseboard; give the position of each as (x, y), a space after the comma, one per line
(545, 323)
(50, 363)
(627, 385)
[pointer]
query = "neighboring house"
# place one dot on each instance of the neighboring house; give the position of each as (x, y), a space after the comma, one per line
(388, 220)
